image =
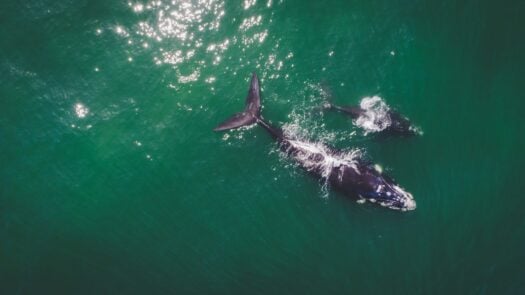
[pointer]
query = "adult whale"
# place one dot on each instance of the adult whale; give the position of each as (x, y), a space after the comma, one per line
(345, 171)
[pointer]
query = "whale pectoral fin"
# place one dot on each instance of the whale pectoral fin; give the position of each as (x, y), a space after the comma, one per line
(236, 121)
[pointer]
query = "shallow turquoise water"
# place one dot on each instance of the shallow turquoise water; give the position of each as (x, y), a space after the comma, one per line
(113, 182)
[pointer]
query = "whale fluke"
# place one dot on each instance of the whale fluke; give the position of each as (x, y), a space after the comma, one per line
(236, 121)
(251, 112)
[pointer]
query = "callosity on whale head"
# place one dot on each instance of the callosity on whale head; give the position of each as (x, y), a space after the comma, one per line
(368, 184)
(377, 188)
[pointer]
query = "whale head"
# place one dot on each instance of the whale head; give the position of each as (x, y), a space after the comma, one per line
(378, 188)
(391, 196)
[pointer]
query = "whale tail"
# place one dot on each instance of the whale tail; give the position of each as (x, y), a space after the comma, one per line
(252, 110)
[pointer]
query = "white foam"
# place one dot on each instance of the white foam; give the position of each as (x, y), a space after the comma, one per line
(315, 156)
(319, 158)
(375, 116)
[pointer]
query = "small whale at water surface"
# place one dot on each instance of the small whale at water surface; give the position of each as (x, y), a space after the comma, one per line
(373, 115)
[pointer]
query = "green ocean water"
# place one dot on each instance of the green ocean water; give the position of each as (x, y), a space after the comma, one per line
(113, 182)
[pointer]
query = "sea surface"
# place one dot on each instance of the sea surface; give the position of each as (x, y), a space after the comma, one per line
(113, 182)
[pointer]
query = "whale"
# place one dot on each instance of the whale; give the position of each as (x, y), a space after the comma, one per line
(346, 171)
(374, 116)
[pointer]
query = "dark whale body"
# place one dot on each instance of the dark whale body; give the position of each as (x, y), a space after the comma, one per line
(345, 171)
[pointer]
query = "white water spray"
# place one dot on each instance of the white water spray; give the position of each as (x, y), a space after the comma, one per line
(375, 117)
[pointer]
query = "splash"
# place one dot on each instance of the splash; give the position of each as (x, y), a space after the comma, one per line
(302, 122)
(375, 117)
(316, 156)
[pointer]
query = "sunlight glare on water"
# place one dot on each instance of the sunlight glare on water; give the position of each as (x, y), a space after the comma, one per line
(193, 36)
(81, 110)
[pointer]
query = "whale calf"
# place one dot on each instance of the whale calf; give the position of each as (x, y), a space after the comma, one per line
(373, 115)
(345, 171)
